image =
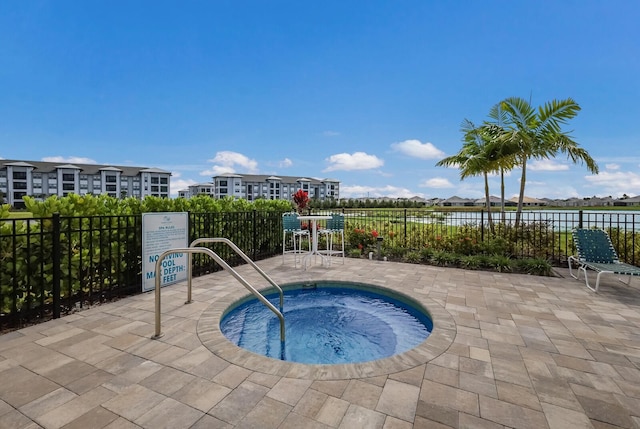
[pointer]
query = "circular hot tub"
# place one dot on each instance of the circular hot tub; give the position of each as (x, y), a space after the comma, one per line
(329, 323)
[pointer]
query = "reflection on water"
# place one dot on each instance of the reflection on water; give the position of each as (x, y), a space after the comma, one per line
(559, 220)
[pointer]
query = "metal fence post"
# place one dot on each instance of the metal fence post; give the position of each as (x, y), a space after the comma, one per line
(579, 218)
(55, 258)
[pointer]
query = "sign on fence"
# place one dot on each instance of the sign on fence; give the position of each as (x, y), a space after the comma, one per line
(162, 232)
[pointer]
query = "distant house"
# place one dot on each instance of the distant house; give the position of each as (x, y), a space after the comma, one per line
(493, 201)
(529, 201)
(456, 201)
(626, 202)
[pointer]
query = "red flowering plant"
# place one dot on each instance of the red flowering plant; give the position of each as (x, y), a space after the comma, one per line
(301, 200)
(360, 238)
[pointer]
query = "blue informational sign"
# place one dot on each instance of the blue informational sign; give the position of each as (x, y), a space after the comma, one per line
(161, 232)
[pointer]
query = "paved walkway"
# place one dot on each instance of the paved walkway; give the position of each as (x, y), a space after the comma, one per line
(507, 351)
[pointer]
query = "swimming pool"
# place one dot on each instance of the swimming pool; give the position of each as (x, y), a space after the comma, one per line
(329, 323)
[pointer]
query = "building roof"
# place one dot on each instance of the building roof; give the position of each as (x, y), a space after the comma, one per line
(283, 179)
(47, 167)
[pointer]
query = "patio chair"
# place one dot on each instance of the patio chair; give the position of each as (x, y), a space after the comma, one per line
(335, 226)
(596, 252)
(292, 228)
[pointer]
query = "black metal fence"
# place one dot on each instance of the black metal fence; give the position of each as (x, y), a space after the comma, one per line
(51, 266)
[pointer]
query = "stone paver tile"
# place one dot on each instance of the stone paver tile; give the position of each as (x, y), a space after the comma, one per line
(289, 390)
(399, 400)
(210, 422)
(422, 423)
(133, 375)
(48, 402)
(296, 421)
(511, 415)
(211, 368)
(232, 376)
(14, 419)
(467, 421)
(393, 423)
(239, 402)
(479, 354)
(437, 413)
(332, 411)
(605, 411)
(330, 387)
(201, 394)
(412, 376)
(363, 394)
(446, 360)
(518, 395)
(89, 381)
(359, 417)
(4, 407)
(133, 401)
(96, 418)
(119, 363)
(125, 341)
(266, 380)
(447, 396)
(442, 375)
(167, 380)
(268, 413)
(478, 384)
(169, 414)
(192, 359)
(20, 386)
(564, 418)
(73, 409)
(511, 371)
(310, 403)
(556, 391)
(69, 372)
(121, 423)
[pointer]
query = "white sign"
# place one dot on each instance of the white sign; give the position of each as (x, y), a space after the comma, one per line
(161, 232)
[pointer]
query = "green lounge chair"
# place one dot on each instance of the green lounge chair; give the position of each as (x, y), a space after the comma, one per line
(596, 252)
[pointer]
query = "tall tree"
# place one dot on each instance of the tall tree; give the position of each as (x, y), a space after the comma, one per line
(472, 159)
(538, 134)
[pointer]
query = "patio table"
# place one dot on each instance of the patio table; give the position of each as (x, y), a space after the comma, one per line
(313, 224)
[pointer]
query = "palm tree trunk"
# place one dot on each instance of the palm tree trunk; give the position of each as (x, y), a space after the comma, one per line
(502, 212)
(523, 180)
(488, 202)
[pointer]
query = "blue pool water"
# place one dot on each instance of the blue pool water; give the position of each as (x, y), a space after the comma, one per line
(330, 323)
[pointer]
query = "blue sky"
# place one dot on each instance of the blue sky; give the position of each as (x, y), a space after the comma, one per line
(370, 93)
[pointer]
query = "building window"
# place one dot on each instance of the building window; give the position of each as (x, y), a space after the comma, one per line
(19, 175)
(223, 183)
(68, 187)
(154, 188)
(110, 179)
(111, 188)
(164, 181)
(68, 177)
(20, 185)
(154, 180)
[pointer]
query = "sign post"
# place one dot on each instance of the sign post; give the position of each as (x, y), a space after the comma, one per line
(161, 232)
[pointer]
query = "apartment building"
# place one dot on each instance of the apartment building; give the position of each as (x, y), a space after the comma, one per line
(197, 189)
(42, 179)
(254, 186)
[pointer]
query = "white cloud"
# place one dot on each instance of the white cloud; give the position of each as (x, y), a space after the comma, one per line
(615, 183)
(355, 161)
(285, 163)
(179, 185)
(547, 165)
(359, 191)
(416, 149)
(436, 182)
(612, 166)
(226, 162)
(69, 159)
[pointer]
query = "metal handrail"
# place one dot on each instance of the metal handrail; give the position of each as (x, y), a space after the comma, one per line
(242, 255)
(223, 264)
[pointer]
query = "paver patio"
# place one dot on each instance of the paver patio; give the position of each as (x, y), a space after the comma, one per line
(507, 351)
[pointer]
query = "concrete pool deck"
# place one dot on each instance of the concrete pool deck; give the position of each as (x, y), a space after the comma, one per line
(507, 351)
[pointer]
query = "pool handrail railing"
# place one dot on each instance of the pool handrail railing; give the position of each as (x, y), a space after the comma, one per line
(189, 251)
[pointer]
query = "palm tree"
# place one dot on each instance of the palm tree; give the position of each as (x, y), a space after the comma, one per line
(472, 159)
(537, 134)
